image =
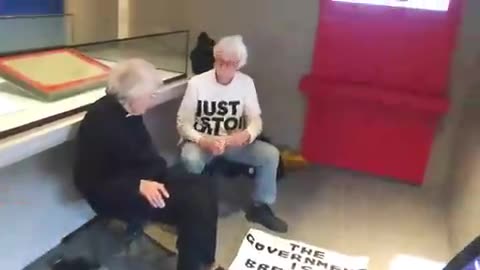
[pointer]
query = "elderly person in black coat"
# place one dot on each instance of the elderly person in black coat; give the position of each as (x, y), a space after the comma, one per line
(121, 175)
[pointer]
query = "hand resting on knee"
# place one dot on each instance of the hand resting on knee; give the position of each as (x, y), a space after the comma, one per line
(154, 192)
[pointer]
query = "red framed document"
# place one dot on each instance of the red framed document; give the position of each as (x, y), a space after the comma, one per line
(54, 74)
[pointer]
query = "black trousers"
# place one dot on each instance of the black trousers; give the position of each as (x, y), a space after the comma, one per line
(192, 208)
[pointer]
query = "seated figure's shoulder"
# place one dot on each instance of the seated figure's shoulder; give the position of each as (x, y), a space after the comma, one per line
(245, 78)
(202, 77)
(94, 109)
(98, 108)
(100, 113)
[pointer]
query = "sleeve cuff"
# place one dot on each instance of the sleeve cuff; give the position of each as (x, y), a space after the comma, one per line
(196, 137)
(253, 134)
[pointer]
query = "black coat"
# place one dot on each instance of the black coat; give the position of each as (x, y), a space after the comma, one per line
(114, 152)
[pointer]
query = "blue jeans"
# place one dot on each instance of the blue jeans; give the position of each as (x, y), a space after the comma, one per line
(261, 155)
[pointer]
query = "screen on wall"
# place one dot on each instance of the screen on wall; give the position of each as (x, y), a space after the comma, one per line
(438, 5)
(30, 7)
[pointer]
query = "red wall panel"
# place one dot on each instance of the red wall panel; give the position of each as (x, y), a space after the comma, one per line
(378, 87)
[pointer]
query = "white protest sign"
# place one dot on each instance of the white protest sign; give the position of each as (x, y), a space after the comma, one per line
(262, 251)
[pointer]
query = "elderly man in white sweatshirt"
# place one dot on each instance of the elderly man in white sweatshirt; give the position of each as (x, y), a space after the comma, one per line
(220, 116)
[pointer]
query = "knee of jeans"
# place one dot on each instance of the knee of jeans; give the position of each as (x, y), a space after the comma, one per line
(193, 162)
(269, 154)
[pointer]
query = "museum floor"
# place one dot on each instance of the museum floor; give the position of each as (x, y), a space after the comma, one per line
(394, 224)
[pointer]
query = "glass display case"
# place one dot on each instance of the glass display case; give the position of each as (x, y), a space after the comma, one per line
(44, 76)
(168, 52)
(25, 32)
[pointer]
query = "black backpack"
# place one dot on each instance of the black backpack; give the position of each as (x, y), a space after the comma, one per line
(202, 55)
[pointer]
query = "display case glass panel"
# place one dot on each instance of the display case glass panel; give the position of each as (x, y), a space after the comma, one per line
(167, 52)
(21, 33)
(42, 84)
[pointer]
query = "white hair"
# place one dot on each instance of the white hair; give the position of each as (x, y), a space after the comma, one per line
(232, 47)
(132, 78)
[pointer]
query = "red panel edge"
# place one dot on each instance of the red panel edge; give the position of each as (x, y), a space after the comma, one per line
(315, 87)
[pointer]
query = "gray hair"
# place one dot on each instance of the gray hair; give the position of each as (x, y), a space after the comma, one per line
(232, 46)
(131, 78)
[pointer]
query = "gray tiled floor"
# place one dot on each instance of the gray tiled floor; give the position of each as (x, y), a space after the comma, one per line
(337, 210)
(353, 214)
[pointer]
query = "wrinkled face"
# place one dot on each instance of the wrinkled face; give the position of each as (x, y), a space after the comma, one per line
(141, 104)
(225, 68)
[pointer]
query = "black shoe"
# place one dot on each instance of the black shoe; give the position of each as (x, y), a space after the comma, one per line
(76, 264)
(224, 209)
(263, 214)
(216, 268)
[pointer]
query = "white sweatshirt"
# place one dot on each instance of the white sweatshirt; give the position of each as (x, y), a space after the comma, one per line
(210, 108)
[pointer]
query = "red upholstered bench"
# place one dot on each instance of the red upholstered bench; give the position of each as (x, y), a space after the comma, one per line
(388, 96)
(378, 87)
(370, 129)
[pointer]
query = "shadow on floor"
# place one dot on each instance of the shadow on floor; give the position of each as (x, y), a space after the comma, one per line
(105, 245)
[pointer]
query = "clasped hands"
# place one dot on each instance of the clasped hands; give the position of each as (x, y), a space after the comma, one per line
(156, 193)
(217, 144)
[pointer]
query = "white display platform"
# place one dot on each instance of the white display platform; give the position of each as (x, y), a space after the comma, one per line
(22, 110)
(18, 110)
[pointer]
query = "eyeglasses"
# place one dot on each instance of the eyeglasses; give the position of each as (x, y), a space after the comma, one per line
(226, 63)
